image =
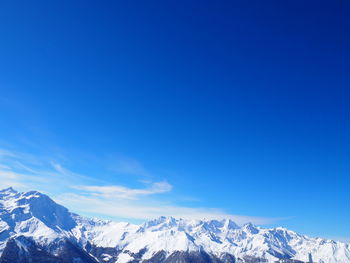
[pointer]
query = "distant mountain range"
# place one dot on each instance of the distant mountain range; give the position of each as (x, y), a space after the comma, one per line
(35, 229)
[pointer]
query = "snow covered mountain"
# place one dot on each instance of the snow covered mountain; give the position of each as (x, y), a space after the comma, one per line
(33, 228)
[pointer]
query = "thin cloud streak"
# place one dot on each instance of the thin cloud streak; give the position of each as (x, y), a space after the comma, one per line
(122, 192)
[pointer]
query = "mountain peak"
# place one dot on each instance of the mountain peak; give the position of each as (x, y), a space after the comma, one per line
(224, 223)
(8, 191)
(162, 221)
(33, 205)
(250, 228)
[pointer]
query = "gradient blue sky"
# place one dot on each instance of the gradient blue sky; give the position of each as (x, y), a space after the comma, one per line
(180, 107)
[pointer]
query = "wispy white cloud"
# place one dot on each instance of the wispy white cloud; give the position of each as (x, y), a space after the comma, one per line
(9, 178)
(122, 192)
(2, 166)
(58, 167)
(90, 196)
(6, 153)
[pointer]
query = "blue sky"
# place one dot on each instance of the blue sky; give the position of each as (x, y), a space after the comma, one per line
(190, 108)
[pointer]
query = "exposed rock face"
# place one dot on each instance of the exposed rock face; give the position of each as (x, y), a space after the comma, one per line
(24, 250)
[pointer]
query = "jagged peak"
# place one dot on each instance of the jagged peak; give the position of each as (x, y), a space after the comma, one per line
(8, 190)
(167, 220)
(223, 223)
(251, 228)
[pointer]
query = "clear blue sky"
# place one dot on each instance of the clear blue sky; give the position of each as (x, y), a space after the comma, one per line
(241, 106)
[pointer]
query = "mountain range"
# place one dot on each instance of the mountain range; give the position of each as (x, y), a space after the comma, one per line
(35, 229)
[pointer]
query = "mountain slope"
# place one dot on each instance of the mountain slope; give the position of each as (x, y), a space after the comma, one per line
(33, 228)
